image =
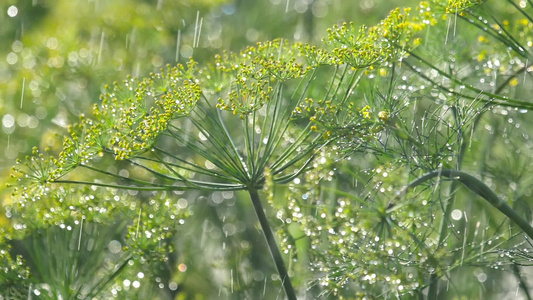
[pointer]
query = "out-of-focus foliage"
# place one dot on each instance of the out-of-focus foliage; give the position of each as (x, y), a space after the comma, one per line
(145, 196)
(58, 55)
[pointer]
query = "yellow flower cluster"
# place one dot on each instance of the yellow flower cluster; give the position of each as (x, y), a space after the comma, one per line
(251, 74)
(385, 42)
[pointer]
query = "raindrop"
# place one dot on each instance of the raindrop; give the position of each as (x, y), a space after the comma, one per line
(197, 30)
(209, 165)
(102, 38)
(173, 286)
(456, 214)
(52, 43)
(202, 136)
(114, 246)
(182, 203)
(17, 46)
(231, 281)
(12, 11)
(186, 51)
(178, 46)
(8, 122)
(12, 58)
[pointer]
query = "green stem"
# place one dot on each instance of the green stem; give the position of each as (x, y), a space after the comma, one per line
(434, 280)
(478, 187)
(443, 228)
(105, 281)
(207, 187)
(522, 281)
(272, 246)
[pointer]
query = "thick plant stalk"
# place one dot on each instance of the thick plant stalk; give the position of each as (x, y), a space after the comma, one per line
(478, 187)
(272, 246)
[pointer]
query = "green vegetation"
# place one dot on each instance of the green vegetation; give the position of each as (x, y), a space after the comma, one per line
(387, 161)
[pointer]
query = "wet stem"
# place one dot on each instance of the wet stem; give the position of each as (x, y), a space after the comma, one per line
(434, 280)
(272, 246)
(478, 187)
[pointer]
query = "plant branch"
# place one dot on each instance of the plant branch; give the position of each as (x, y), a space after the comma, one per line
(478, 187)
(272, 246)
(206, 186)
(493, 98)
(443, 227)
(521, 280)
(105, 281)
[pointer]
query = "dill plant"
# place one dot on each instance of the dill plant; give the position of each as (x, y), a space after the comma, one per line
(369, 233)
(333, 134)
